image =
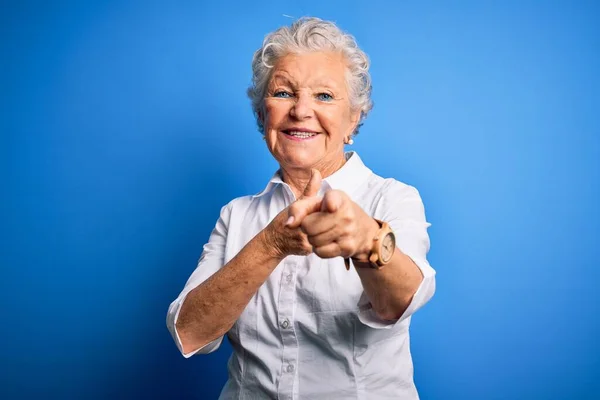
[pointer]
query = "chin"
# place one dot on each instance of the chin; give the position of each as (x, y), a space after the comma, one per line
(302, 161)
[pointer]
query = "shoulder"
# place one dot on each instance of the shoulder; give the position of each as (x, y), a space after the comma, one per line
(240, 205)
(391, 189)
(237, 204)
(396, 201)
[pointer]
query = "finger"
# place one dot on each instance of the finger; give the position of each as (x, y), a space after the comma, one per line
(328, 251)
(332, 201)
(313, 185)
(319, 222)
(330, 236)
(347, 246)
(300, 209)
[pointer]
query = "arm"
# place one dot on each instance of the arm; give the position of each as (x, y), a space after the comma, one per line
(342, 228)
(212, 308)
(390, 290)
(407, 282)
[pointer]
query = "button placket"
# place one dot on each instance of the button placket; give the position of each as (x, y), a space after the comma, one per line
(288, 277)
(287, 294)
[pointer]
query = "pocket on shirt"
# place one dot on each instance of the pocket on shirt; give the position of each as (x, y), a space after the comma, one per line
(382, 362)
(365, 336)
(328, 287)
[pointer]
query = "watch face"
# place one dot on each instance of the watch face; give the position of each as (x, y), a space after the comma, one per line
(387, 247)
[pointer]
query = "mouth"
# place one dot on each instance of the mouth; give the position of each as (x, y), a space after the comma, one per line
(299, 135)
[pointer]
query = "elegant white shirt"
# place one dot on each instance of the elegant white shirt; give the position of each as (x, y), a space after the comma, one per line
(309, 331)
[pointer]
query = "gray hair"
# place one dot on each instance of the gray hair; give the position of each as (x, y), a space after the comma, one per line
(310, 34)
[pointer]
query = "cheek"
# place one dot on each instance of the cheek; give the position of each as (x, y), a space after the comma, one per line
(274, 115)
(334, 121)
(347, 123)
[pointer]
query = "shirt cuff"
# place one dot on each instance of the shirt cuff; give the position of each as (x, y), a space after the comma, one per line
(173, 316)
(424, 292)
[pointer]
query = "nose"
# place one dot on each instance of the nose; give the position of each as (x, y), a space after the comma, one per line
(302, 108)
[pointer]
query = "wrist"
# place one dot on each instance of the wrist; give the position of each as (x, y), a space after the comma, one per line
(370, 228)
(269, 244)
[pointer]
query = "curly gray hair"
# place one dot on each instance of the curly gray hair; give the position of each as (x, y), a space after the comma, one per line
(305, 35)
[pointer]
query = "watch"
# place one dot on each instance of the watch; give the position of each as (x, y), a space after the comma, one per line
(384, 244)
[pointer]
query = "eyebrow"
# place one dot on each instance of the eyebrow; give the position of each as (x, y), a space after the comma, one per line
(319, 82)
(279, 77)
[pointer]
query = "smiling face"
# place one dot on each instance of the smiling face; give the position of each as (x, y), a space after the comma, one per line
(307, 111)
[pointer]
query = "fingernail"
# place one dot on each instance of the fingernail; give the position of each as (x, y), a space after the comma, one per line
(289, 221)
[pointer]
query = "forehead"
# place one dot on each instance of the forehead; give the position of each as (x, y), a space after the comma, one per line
(311, 69)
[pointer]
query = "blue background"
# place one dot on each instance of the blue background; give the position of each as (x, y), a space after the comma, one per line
(125, 128)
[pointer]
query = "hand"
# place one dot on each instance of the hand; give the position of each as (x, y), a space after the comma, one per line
(283, 236)
(338, 228)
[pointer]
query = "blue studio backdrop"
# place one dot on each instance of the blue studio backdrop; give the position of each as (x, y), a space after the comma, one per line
(125, 127)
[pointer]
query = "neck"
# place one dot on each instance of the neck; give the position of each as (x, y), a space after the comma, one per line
(297, 178)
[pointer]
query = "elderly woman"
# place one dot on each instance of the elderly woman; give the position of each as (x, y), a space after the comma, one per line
(315, 279)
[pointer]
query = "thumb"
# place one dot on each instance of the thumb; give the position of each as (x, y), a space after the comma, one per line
(313, 185)
(300, 209)
(332, 201)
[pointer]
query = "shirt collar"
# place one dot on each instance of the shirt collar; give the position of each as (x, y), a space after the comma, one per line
(352, 174)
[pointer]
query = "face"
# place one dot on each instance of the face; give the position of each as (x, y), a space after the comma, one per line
(307, 112)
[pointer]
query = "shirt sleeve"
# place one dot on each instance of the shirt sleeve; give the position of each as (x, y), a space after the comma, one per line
(402, 208)
(211, 260)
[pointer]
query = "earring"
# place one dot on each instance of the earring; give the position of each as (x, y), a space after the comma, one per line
(349, 141)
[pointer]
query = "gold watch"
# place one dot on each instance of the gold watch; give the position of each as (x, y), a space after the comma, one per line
(384, 244)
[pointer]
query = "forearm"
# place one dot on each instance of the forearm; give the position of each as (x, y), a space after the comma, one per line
(391, 288)
(212, 308)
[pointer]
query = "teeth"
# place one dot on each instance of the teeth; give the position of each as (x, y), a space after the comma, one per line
(301, 134)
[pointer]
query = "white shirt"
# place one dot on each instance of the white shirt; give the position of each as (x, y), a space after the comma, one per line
(309, 331)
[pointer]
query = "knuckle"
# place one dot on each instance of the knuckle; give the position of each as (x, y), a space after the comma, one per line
(349, 216)
(324, 252)
(317, 242)
(318, 251)
(293, 209)
(347, 245)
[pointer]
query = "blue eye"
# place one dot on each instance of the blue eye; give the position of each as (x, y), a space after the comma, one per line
(324, 97)
(282, 94)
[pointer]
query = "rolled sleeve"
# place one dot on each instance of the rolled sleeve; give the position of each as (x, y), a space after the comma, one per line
(173, 316)
(211, 260)
(402, 208)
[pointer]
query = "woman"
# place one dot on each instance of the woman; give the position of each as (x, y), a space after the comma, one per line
(314, 280)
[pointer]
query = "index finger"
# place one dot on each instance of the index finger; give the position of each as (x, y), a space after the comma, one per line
(300, 209)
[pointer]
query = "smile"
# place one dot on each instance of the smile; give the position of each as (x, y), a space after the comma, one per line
(299, 135)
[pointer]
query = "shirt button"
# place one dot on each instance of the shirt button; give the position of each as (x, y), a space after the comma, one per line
(290, 368)
(285, 324)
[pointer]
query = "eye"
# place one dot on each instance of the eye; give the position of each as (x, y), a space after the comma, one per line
(282, 94)
(324, 97)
